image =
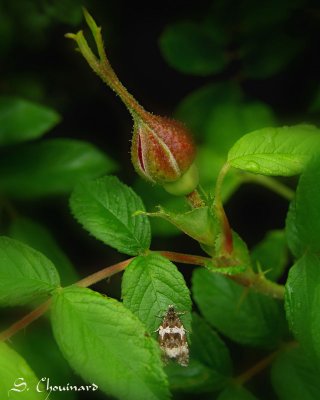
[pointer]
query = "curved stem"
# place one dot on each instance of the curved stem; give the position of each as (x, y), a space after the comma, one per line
(227, 245)
(102, 67)
(271, 184)
(25, 321)
(104, 273)
(256, 369)
(36, 313)
(262, 364)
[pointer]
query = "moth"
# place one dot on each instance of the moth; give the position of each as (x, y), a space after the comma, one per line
(172, 338)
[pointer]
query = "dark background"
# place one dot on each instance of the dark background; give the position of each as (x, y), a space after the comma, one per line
(38, 63)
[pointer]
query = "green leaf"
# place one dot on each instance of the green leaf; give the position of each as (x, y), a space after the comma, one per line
(276, 151)
(303, 219)
(199, 223)
(105, 208)
(22, 120)
(106, 344)
(271, 254)
(295, 377)
(236, 393)
(25, 274)
(229, 121)
(195, 109)
(69, 11)
(257, 17)
(295, 244)
(210, 350)
(302, 302)
(267, 54)
(192, 48)
(6, 32)
(244, 316)
(16, 374)
(40, 238)
(152, 196)
(49, 167)
(149, 285)
(33, 346)
(197, 378)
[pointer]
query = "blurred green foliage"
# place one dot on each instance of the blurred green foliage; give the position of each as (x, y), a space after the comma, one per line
(228, 68)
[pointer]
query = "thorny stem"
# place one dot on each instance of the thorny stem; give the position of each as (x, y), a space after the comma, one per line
(228, 242)
(262, 364)
(247, 279)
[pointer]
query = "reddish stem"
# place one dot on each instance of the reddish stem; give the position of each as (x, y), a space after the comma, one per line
(228, 240)
(88, 281)
(104, 273)
(262, 364)
(195, 199)
(25, 321)
(185, 258)
(249, 279)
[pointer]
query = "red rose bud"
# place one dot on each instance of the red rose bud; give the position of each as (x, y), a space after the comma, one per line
(162, 149)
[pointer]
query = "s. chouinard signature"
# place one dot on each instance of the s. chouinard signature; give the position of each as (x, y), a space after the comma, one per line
(44, 385)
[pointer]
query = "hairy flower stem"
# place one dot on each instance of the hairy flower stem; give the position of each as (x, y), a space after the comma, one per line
(195, 200)
(102, 67)
(247, 279)
(162, 149)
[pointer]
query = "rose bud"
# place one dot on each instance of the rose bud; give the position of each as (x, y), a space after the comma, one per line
(162, 149)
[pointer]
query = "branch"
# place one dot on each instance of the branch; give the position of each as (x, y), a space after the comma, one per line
(104, 273)
(248, 279)
(270, 183)
(25, 321)
(262, 364)
(36, 313)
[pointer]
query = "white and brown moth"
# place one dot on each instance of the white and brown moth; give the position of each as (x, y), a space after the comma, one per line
(172, 338)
